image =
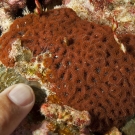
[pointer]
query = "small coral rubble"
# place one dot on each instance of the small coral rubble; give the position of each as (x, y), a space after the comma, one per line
(86, 67)
(73, 121)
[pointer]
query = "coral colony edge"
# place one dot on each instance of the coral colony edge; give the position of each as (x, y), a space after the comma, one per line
(79, 58)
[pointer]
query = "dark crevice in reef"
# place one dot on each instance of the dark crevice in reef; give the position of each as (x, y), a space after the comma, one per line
(31, 5)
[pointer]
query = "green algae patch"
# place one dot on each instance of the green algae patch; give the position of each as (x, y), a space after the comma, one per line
(8, 77)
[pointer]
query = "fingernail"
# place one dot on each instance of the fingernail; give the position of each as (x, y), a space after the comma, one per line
(21, 95)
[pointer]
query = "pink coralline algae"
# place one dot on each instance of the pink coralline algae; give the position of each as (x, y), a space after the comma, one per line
(8, 10)
(13, 5)
(16, 3)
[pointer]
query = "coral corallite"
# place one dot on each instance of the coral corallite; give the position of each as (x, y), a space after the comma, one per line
(79, 61)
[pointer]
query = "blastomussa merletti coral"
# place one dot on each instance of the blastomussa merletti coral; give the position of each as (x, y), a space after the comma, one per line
(71, 54)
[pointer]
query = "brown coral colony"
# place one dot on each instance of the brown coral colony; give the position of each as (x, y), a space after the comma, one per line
(89, 71)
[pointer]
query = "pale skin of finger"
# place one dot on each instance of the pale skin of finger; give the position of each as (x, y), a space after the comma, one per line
(12, 112)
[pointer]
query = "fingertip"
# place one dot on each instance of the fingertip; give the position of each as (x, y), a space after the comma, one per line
(21, 95)
(16, 102)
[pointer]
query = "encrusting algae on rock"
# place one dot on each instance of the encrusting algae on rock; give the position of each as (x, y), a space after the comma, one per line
(77, 61)
(104, 11)
(27, 67)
